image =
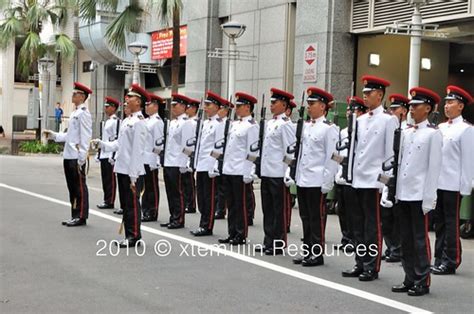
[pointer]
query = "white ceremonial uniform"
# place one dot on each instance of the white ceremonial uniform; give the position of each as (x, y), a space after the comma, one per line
(315, 166)
(457, 170)
(374, 145)
(154, 140)
(279, 134)
(176, 142)
(420, 164)
(130, 147)
(209, 136)
(78, 135)
(242, 134)
(109, 134)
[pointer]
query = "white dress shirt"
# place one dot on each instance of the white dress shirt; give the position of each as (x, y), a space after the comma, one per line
(279, 134)
(177, 137)
(375, 130)
(457, 170)
(130, 146)
(315, 166)
(154, 139)
(78, 135)
(209, 136)
(109, 134)
(419, 164)
(242, 134)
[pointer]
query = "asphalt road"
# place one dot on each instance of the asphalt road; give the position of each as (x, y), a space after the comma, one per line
(48, 268)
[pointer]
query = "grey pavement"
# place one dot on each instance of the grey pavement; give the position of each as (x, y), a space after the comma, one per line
(48, 268)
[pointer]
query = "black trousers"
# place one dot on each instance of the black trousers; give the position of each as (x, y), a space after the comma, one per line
(367, 228)
(415, 242)
(312, 206)
(151, 193)
(109, 181)
(236, 198)
(288, 207)
(345, 197)
(250, 201)
(77, 186)
(221, 205)
(131, 211)
(274, 213)
(391, 231)
(189, 187)
(174, 194)
(448, 243)
(206, 199)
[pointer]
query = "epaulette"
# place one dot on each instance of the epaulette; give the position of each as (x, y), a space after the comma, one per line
(409, 126)
(141, 117)
(328, 122)
(252, 121)
(467, 122)
(158, 117)
(115, 118)
(84, 108)
(219, 119)
(433, 126)
(285, 118)
(185, 118)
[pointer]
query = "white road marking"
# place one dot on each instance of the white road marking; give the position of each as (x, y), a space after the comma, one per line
(251, 260)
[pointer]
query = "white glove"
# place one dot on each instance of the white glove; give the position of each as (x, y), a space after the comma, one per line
(97, 143)
(81, 162)
(133, 180)
(383, 200)
(49, 134)
(287, 179)
(248, 179)
(157, 150)
(428, 206)
(215, 171)
(326, 188)
(339, 179)
(112, 161)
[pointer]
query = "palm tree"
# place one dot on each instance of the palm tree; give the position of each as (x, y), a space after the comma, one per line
(24, 21)
(130, 21)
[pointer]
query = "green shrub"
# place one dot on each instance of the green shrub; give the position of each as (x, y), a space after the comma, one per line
(36, 147)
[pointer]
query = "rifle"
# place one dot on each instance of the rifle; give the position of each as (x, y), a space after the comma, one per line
(117, 130)
(101, 130)
(299, 133)
(192, 142)
(347, 162)
(164, 139)
(222, 144)
(391, 182)
(259, 144)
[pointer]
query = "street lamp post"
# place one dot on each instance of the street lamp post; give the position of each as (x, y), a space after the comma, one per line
(45, 64)
(137, 49)
(232, 30)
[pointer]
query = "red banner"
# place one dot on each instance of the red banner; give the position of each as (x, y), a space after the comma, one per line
(162, 43)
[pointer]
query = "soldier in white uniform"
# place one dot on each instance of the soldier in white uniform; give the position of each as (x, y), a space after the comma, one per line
(154, 144)
(455, 180)
(76, 147)
(238, 171)
(279, 134)
(110, 130)
(418, 172)
(175, 159)
(375, 132)
(204, 163)
(391, 234)
(315, 173)
(189, 182)
(129, 164)
(345, 194)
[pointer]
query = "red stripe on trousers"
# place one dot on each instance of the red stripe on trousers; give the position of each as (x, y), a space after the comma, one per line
(135, 218)
(180, 191)
(379, 233)
(211, 216)
(155, 188)
(244, 203)
(321, 214)
(428, 249)
(285, 224)
(458, 240)
(81, 194)
(112, 197)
